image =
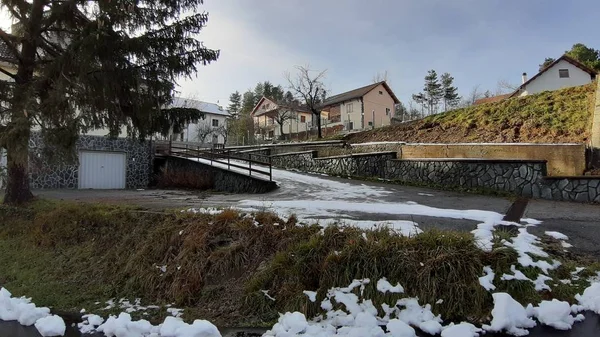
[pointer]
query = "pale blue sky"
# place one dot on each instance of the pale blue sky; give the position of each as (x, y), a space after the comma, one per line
(478, 41)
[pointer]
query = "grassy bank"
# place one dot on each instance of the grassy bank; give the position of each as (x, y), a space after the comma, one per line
(70, 256)
(561, 116)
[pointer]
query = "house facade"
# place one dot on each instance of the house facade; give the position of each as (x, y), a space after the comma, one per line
(364, 108)
(265, 116)
(564, 72)
(210, 130)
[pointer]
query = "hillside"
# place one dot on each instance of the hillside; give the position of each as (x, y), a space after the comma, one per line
(562, 116)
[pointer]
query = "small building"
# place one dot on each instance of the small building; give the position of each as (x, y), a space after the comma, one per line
(564, 72)
(267, 112)
(367, 107)
(211, 129)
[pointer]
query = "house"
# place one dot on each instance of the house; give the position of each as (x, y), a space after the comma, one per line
(212, 129)
(100, 162)
(564, 72)
(367, 107)
(266, 113)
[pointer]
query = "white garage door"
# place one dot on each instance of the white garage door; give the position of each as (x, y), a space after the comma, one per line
(101, 170)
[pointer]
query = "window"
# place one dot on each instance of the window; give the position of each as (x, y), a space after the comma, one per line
(349, 108)
(267, 106)
(302, 119)
(380, 92)
(387, 111)
(370, 123)
(563, 73)
(215, 122)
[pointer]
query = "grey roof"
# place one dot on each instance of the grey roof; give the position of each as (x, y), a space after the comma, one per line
(357, 93)
(211, 108)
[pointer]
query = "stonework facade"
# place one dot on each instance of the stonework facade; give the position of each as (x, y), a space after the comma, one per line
(527, 178)
(358, 165)
(49, 168)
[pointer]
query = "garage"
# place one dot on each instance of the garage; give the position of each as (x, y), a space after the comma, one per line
(102, 170)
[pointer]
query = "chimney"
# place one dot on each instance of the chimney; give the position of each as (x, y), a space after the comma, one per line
(524, 78)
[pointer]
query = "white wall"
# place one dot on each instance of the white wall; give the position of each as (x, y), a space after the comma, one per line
(354, 116)
(550, 80)
(190, 134)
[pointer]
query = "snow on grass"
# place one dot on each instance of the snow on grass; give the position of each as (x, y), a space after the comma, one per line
(123, 325)
(312, 295)
(26, 313)
(384, 286)
(556, 314)
(527, 244)
(175, 312)
(461, 330)
(486, 280)
(89, 323)
(590, 299)
(51, 326)
(556, 235)
(359, 317)
(510, 316)
(517, 275)
(208, 210)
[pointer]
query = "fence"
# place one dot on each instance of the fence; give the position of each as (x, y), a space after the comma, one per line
(223, 158)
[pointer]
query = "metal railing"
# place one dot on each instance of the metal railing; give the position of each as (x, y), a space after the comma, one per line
(262, 164)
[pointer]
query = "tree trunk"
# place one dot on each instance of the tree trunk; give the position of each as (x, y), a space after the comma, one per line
(319, 135)
(17, 182)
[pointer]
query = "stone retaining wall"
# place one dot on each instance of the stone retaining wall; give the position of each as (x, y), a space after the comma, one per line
(49, 168)
(526, 178)
(513, 176)
(221, 179)
(359, 165)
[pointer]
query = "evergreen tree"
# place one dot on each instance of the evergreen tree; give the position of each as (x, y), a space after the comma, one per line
(248, 102)
(82, 65)
(588, 56)
(450, 92)
(235, 104)
(548, 61)
(400, 111)
(433, 91)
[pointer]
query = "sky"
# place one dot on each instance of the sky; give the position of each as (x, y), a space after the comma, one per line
(477, 42)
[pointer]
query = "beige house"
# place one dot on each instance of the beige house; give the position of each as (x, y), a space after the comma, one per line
(371, 106)
(267, 112)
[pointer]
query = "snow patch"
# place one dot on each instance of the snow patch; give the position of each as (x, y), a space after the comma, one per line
(510, 316)
(384, 286)
(486, 281)
(51, 326)
(555, 313)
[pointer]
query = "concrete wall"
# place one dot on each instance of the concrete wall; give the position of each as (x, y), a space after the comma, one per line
(374, 101)
(550, 80)
(223, 180)
(562, 159)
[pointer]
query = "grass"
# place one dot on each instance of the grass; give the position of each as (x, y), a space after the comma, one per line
(71, 255)
(552, 116)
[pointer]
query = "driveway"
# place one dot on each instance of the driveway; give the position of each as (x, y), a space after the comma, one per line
(325, 199)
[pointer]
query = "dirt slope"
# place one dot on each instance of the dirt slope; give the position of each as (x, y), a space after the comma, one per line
(562, 116)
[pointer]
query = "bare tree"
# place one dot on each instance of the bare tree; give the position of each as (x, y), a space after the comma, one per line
(282, 115)
(221, 131)
(474, 95)
(309, 88)
(504, 87)
(203, 131)
(380, 77)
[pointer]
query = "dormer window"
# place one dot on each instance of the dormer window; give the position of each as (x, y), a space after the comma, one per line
(563, 73)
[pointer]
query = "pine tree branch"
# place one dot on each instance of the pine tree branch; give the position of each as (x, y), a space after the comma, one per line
(8, 40)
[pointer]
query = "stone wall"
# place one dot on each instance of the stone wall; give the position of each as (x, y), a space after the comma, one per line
(50, 168)
(223, 180)
(359, 165)
(519, 177)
